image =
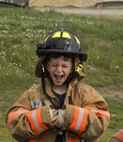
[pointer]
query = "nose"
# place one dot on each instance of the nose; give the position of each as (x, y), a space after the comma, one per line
(59, 69)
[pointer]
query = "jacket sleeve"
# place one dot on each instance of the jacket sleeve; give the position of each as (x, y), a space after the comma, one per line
(91, 119)
(24, 123)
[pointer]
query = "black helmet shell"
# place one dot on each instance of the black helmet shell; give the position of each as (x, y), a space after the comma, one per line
(61, 42)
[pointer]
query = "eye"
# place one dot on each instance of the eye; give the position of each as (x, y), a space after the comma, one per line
(54, 65)
(64, 66)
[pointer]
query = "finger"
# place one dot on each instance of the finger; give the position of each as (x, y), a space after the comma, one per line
(55, 121)
(57, 124)
(54, 118)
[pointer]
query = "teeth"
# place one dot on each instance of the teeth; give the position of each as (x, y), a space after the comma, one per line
(58, 77)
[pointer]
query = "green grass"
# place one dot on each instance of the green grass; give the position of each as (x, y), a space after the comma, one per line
(22, 29)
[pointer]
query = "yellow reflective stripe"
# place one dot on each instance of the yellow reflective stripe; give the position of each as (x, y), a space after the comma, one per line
(57, 34)
(77, 40)
(66, 35)
(46, 38)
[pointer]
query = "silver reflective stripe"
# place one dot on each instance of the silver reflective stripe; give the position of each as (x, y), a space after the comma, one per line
(80, 118)
(36, 121)
(21, 111)
(101, 112)
(17, 112)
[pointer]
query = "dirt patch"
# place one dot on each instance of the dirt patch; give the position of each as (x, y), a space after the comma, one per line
(116, 94)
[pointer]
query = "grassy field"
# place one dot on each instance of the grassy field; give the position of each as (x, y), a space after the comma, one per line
(22, 29)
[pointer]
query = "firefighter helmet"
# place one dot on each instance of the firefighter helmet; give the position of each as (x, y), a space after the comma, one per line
(61, 42)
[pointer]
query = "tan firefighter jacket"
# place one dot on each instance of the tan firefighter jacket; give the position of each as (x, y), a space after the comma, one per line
(86, 115)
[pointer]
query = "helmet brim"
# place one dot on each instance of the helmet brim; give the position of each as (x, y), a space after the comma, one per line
(74, 54)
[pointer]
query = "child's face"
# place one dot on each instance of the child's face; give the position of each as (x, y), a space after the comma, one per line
(59, 69)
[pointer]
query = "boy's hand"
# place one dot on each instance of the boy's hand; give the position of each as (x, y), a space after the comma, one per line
(47, 115)
(58, 120)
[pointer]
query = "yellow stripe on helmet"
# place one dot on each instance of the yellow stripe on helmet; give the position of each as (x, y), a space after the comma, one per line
(77, 40)
(57, 34)
(46, 39)
(64, 35)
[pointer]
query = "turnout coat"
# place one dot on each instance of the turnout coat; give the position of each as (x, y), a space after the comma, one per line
(86, 114)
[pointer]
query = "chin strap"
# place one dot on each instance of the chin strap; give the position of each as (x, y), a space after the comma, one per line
(47, 101)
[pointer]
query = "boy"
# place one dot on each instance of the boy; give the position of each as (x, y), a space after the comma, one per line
(62, 108)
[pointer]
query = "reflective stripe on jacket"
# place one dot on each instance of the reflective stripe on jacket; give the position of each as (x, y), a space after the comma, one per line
(79, 120)
(33, 117)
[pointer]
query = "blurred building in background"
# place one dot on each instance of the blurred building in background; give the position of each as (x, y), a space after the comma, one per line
(73, 3)
(65, 3)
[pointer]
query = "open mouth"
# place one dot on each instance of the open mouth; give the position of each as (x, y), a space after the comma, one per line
(58, 77)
